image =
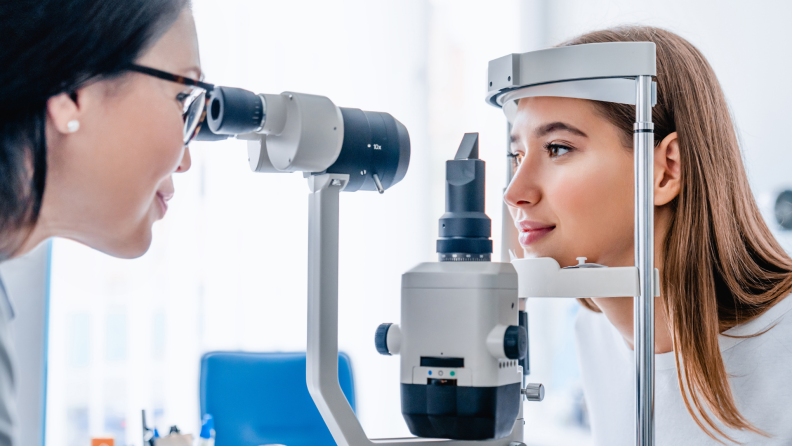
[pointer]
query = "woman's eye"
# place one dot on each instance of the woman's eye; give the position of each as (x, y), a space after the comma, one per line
(556, 150)
(181, 97)
(517, 158)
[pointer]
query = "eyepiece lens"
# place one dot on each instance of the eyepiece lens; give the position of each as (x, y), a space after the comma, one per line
(235, 111)
(215, 109)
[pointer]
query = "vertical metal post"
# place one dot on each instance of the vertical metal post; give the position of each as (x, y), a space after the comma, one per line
(509, 161)
(508, 231)
(508, 240)
(644, 259)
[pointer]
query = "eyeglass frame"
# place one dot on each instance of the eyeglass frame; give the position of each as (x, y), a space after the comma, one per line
(207, 87)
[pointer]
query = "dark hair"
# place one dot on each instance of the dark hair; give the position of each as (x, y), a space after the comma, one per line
(51, 47)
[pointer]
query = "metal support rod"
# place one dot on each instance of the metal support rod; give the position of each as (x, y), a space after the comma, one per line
(643, 321)
(322, 354)
(509, 160)
(508, 231)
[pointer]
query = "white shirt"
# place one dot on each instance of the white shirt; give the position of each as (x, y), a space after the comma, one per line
(7, 383)
(761, 380)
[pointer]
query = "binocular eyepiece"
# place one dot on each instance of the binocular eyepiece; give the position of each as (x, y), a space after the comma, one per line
(234, 111)
(309, 133)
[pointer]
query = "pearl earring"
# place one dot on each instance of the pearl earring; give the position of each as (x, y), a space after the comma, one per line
(73, 125)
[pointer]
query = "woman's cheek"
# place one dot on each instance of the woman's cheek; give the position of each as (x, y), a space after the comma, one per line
(580, 202)
(154, 155)
(603, 205)
(574, 197)
(165, 144)
(152, 130)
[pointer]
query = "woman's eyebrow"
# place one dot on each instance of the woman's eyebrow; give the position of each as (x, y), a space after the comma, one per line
(558, 127)
(195, 69)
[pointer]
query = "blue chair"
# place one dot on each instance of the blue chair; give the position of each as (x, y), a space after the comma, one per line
(262, 398)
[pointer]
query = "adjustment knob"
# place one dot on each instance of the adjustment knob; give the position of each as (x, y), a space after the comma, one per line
(387, 339)
(515, 342)
(783, 210)
(381, 339)
(533, 392)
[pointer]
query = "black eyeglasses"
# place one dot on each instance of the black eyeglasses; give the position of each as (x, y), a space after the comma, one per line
(194, 103)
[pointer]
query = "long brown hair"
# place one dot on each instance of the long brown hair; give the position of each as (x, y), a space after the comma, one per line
(721, 264)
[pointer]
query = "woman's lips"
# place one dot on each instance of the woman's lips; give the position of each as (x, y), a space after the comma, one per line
(531, 232)
(162, 200)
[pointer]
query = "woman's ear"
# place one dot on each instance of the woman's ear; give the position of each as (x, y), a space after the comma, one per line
(667, 170)
(63, 111)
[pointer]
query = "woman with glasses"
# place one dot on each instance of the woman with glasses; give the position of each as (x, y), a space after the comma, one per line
(99, 100)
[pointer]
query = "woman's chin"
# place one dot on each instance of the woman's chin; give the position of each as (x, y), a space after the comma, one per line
(137, 246)
(133, 253)
(131, 246)
(533, 252)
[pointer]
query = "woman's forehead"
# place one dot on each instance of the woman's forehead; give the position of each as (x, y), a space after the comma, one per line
(177, 49)
(540, 115)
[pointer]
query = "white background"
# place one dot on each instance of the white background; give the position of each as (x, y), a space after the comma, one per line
(228, 265)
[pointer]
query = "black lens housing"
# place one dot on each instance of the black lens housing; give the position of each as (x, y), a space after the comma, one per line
(374, 143)
(464, 229)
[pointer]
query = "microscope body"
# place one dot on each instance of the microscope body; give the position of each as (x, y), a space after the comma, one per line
(456, 379)
(460, 339)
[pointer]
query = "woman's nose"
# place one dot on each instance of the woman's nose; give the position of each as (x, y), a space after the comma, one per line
(522, 191)
(186, 161)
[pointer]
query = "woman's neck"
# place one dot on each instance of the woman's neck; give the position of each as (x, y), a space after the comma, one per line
(619, 311)
(26, 239)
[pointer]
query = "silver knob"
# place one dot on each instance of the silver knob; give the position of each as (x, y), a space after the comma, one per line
(533, 392)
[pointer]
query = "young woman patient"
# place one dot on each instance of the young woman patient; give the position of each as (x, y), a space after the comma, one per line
(723, 328)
